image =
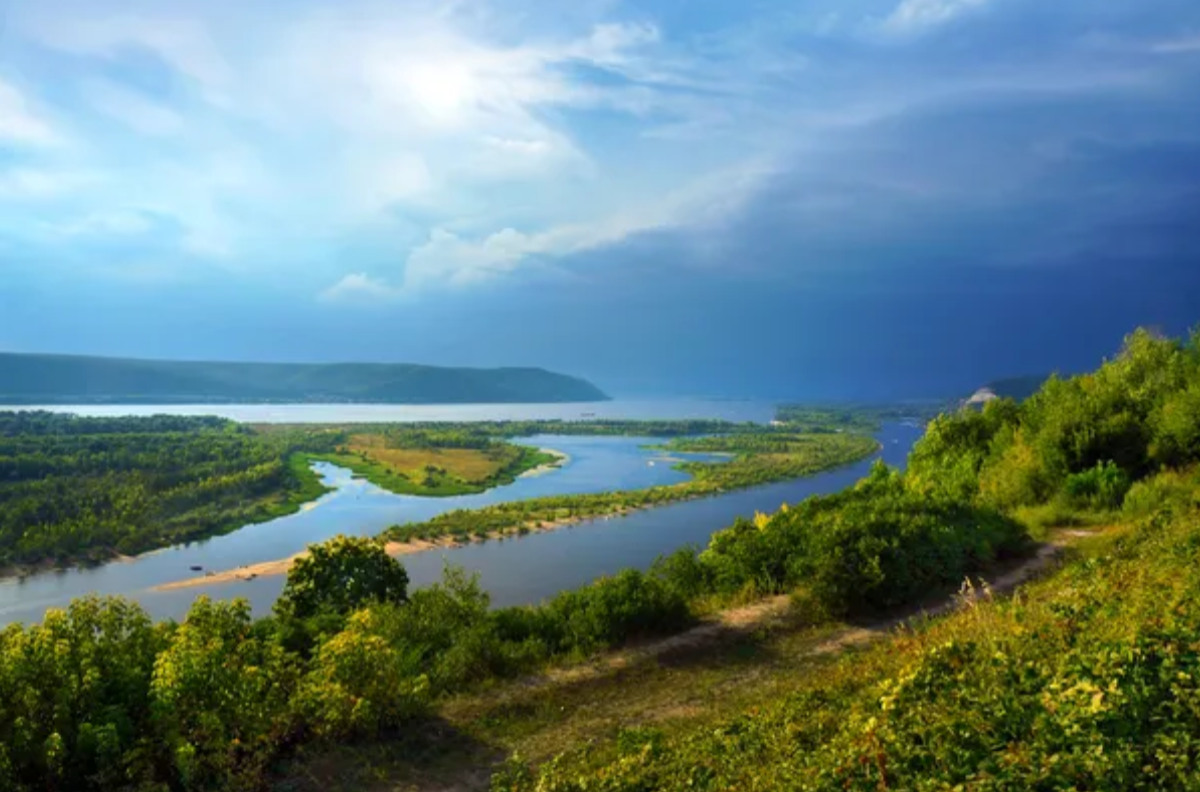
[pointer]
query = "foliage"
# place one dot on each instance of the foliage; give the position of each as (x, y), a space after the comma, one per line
(1090, 680)
(342, 575)
(1087, 682)
(861, 418)
(1081, 439)
(411, 464)
(875, 546)
(77, 488)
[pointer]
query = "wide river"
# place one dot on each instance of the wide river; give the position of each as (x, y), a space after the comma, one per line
(514, 571)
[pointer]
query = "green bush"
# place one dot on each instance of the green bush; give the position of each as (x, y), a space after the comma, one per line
(1101, 487)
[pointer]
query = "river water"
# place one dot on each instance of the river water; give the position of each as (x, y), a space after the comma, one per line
(622, 409)
(514, 571)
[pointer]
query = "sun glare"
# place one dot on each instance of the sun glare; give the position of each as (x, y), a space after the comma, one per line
(442, 90)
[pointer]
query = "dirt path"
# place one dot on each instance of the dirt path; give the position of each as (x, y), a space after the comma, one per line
(472, 769)
(728, 624)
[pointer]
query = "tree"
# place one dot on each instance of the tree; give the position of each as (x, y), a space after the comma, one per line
(340, 576)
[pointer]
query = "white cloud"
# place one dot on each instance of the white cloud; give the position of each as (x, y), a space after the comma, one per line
(917, 14)
(449, 259)
(33, 184)
(19, 123)
(132, 109)
(182, 42)
(357, 287)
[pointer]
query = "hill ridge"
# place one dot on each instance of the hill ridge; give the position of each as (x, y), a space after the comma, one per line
(64, 378)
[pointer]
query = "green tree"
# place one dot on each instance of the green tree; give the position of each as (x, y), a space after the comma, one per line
(340, 576)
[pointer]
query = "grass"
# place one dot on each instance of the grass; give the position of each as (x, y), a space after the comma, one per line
(433, 472)
(777, 707)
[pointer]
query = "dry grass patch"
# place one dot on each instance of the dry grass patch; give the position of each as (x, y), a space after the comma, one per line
(466, 464)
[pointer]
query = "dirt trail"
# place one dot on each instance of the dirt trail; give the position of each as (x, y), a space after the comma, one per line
(730, 623)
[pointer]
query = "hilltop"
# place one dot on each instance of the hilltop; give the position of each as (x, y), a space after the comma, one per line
(70, 379)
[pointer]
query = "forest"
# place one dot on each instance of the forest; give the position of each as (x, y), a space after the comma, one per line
(1088, 680)
(77, 489)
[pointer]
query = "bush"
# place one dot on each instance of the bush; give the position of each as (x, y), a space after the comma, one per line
(1101, 487)
(342, 575)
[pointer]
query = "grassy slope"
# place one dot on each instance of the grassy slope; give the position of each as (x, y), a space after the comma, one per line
(1090, 677)
(1088, 680)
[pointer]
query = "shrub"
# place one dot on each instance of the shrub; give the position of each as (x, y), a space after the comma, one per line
(342, 575)
(1101, 487)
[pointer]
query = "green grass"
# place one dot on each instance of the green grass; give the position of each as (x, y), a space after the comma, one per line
(1089, 679)
(439, 485)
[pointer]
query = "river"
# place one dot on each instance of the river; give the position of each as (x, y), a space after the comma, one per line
(514, 571)
(618, 409)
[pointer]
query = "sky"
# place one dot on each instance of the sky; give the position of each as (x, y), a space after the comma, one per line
(809, 199)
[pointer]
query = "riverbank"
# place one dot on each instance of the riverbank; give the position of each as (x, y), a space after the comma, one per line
(558, 460)
(540, 515)
(394, 548)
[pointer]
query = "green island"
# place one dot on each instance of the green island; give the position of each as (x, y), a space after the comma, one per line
(759, 457)
(1089, 678)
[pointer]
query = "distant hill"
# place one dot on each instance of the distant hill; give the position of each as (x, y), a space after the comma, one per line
(1016, 388)
(70, 379)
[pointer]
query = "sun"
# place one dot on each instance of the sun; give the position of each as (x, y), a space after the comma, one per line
(442, 90)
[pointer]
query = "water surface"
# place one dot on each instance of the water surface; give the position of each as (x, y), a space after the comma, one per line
(622, 409)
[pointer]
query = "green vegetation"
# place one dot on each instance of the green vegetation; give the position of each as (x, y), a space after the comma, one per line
(86, 488)
(1086, 681)
(859, 418)
(391, 460)
(758, 459)
(68, 379)
(82, 489)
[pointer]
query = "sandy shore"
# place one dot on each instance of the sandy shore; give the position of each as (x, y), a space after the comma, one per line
(395, 549)
(560, 460)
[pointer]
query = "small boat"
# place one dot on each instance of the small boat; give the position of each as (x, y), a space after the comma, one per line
(196, 568)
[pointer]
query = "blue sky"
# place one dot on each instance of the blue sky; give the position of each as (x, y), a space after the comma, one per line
(812, 198)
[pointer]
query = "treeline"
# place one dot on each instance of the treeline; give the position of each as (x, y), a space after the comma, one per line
(861, 418)
(1078, 444)
(74, 488)
(804, 455)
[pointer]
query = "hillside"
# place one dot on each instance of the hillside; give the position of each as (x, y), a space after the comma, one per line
(1087, 679)
(69, 379)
